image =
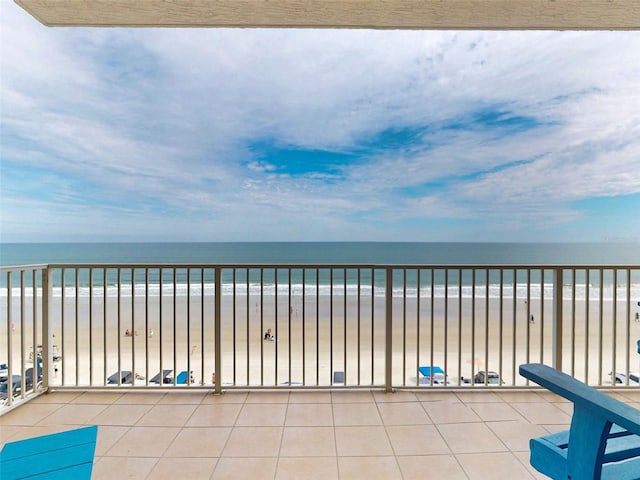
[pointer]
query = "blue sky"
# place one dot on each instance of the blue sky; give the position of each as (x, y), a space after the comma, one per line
(251, 135)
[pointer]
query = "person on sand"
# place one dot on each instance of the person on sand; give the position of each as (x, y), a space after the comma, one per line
(127, 333)
(267, 334)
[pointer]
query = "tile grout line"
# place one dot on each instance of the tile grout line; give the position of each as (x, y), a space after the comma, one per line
(335, 437)
(386, 432)
(284, 422)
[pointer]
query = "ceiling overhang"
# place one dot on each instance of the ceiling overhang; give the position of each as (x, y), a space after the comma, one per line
(377, 14)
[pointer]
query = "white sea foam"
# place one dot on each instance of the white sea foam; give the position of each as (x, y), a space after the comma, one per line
(533, 292)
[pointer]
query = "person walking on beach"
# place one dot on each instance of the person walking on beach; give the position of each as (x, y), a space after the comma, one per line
(267, 334)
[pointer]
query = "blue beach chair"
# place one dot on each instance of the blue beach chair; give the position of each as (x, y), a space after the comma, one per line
(434, 373)
(64, 455)
(183, 378)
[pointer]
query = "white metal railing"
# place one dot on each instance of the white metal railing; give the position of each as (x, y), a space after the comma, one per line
(98, 326)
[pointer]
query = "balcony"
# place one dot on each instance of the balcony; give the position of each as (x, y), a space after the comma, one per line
(345, 388)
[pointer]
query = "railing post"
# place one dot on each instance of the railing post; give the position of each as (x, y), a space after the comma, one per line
(217, 388)
(47, 350)
(557, 319)
(388, 379)
(9, 339)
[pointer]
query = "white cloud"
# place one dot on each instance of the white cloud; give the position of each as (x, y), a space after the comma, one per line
(168, 116)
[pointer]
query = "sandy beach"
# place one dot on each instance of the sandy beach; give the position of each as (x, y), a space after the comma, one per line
(321, 337)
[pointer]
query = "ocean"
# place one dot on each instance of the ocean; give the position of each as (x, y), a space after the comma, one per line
(334, 253)
(380, 253)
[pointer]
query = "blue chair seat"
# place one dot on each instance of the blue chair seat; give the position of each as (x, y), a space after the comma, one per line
(64, 455)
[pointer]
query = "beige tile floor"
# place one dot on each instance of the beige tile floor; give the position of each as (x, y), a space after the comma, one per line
(302, 435)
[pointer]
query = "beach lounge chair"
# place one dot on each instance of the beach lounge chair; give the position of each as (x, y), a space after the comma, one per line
(491, 378)
(60, 455)
(183, 378)
(28, 376)
(166, 377)
(125, 378)
(434, 373)
(16, 385)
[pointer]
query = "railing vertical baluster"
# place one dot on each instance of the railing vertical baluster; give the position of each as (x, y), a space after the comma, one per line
(404, 327)
(276, 326)
(175, 328)
(63, 321)
(77, 322)
(557, 325)
(431, 326)
(189, 348)
(587, 325)
(317, 326)
(160, 342)
(47, 353)
(262, 325)
(344, 319)
(446, 322)
(218, 329)
(473, 322)
(628, 324)
(460, 343)
(248, 309)
(134, 330)
(331, 325)
(104, 323)
(304, 321)
(233, 318)
(289, 324)
(600, 323)
(119, 280)
(614, 332)
(91, 301)
(528, 322)
(373, 301)
(358, 314)
(202, 329)
(486, 328)
(202, 342)
(418, 318)
(501, 329)
(388, 330)
(23, 340)
(34, 322)
(542, 284)
(10, 325)
(514, 312)
(147, 330)
(573, 322)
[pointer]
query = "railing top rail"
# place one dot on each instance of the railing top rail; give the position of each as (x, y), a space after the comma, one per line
(380, 266)
(22, 268)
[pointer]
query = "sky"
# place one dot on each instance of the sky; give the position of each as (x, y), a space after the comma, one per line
(317, 135)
